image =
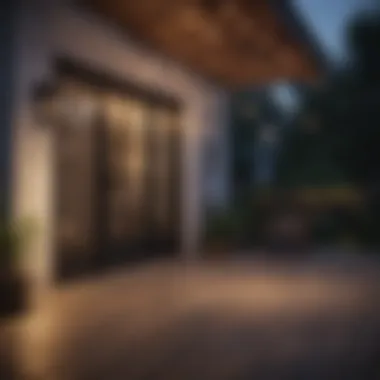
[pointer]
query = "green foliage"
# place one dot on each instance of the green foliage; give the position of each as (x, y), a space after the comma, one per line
(13, 238)
(242, 225)
(307, 157)
(349, 107)
(222, 226)
(344, 146)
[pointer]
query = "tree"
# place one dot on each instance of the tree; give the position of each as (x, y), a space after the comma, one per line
(344, 118)
(348, 108)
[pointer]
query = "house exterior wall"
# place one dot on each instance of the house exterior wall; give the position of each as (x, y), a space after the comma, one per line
(52, 28)
(6, 63)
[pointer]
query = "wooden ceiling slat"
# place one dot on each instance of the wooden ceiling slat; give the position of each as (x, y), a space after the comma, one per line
(236, 42)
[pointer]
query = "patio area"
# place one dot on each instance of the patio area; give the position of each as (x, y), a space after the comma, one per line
(230, 320)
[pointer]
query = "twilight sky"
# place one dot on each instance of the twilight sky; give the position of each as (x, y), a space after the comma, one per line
(328, 20)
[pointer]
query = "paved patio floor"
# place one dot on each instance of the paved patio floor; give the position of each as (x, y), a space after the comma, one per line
(233, 321)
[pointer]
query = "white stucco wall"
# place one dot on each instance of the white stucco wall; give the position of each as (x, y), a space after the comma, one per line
(49, 29)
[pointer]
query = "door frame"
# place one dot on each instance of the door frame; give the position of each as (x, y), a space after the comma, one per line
(65, 67)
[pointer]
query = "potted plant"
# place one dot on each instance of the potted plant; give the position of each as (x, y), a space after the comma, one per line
(13, 287)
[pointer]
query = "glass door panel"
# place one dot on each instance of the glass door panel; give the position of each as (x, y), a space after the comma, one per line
(136, 165)
(126, 166)
(74, 179)
(164, 158)
(161, 169)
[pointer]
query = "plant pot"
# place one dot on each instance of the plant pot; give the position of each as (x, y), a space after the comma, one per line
(13, 292)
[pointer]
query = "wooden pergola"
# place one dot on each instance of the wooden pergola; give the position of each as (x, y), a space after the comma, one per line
(233, 42)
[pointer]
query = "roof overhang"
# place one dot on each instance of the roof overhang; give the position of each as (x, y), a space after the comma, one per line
(233, 42)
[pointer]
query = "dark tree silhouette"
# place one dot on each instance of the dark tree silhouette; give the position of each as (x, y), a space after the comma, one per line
(337, 134)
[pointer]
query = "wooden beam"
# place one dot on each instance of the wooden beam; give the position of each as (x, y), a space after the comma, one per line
(236, 41)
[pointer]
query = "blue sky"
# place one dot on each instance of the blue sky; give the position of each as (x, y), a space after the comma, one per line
(327, 20)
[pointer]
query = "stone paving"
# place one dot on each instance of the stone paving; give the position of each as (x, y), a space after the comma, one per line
(232, 321)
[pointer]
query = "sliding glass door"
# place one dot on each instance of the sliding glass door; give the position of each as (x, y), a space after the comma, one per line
(118, 181)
